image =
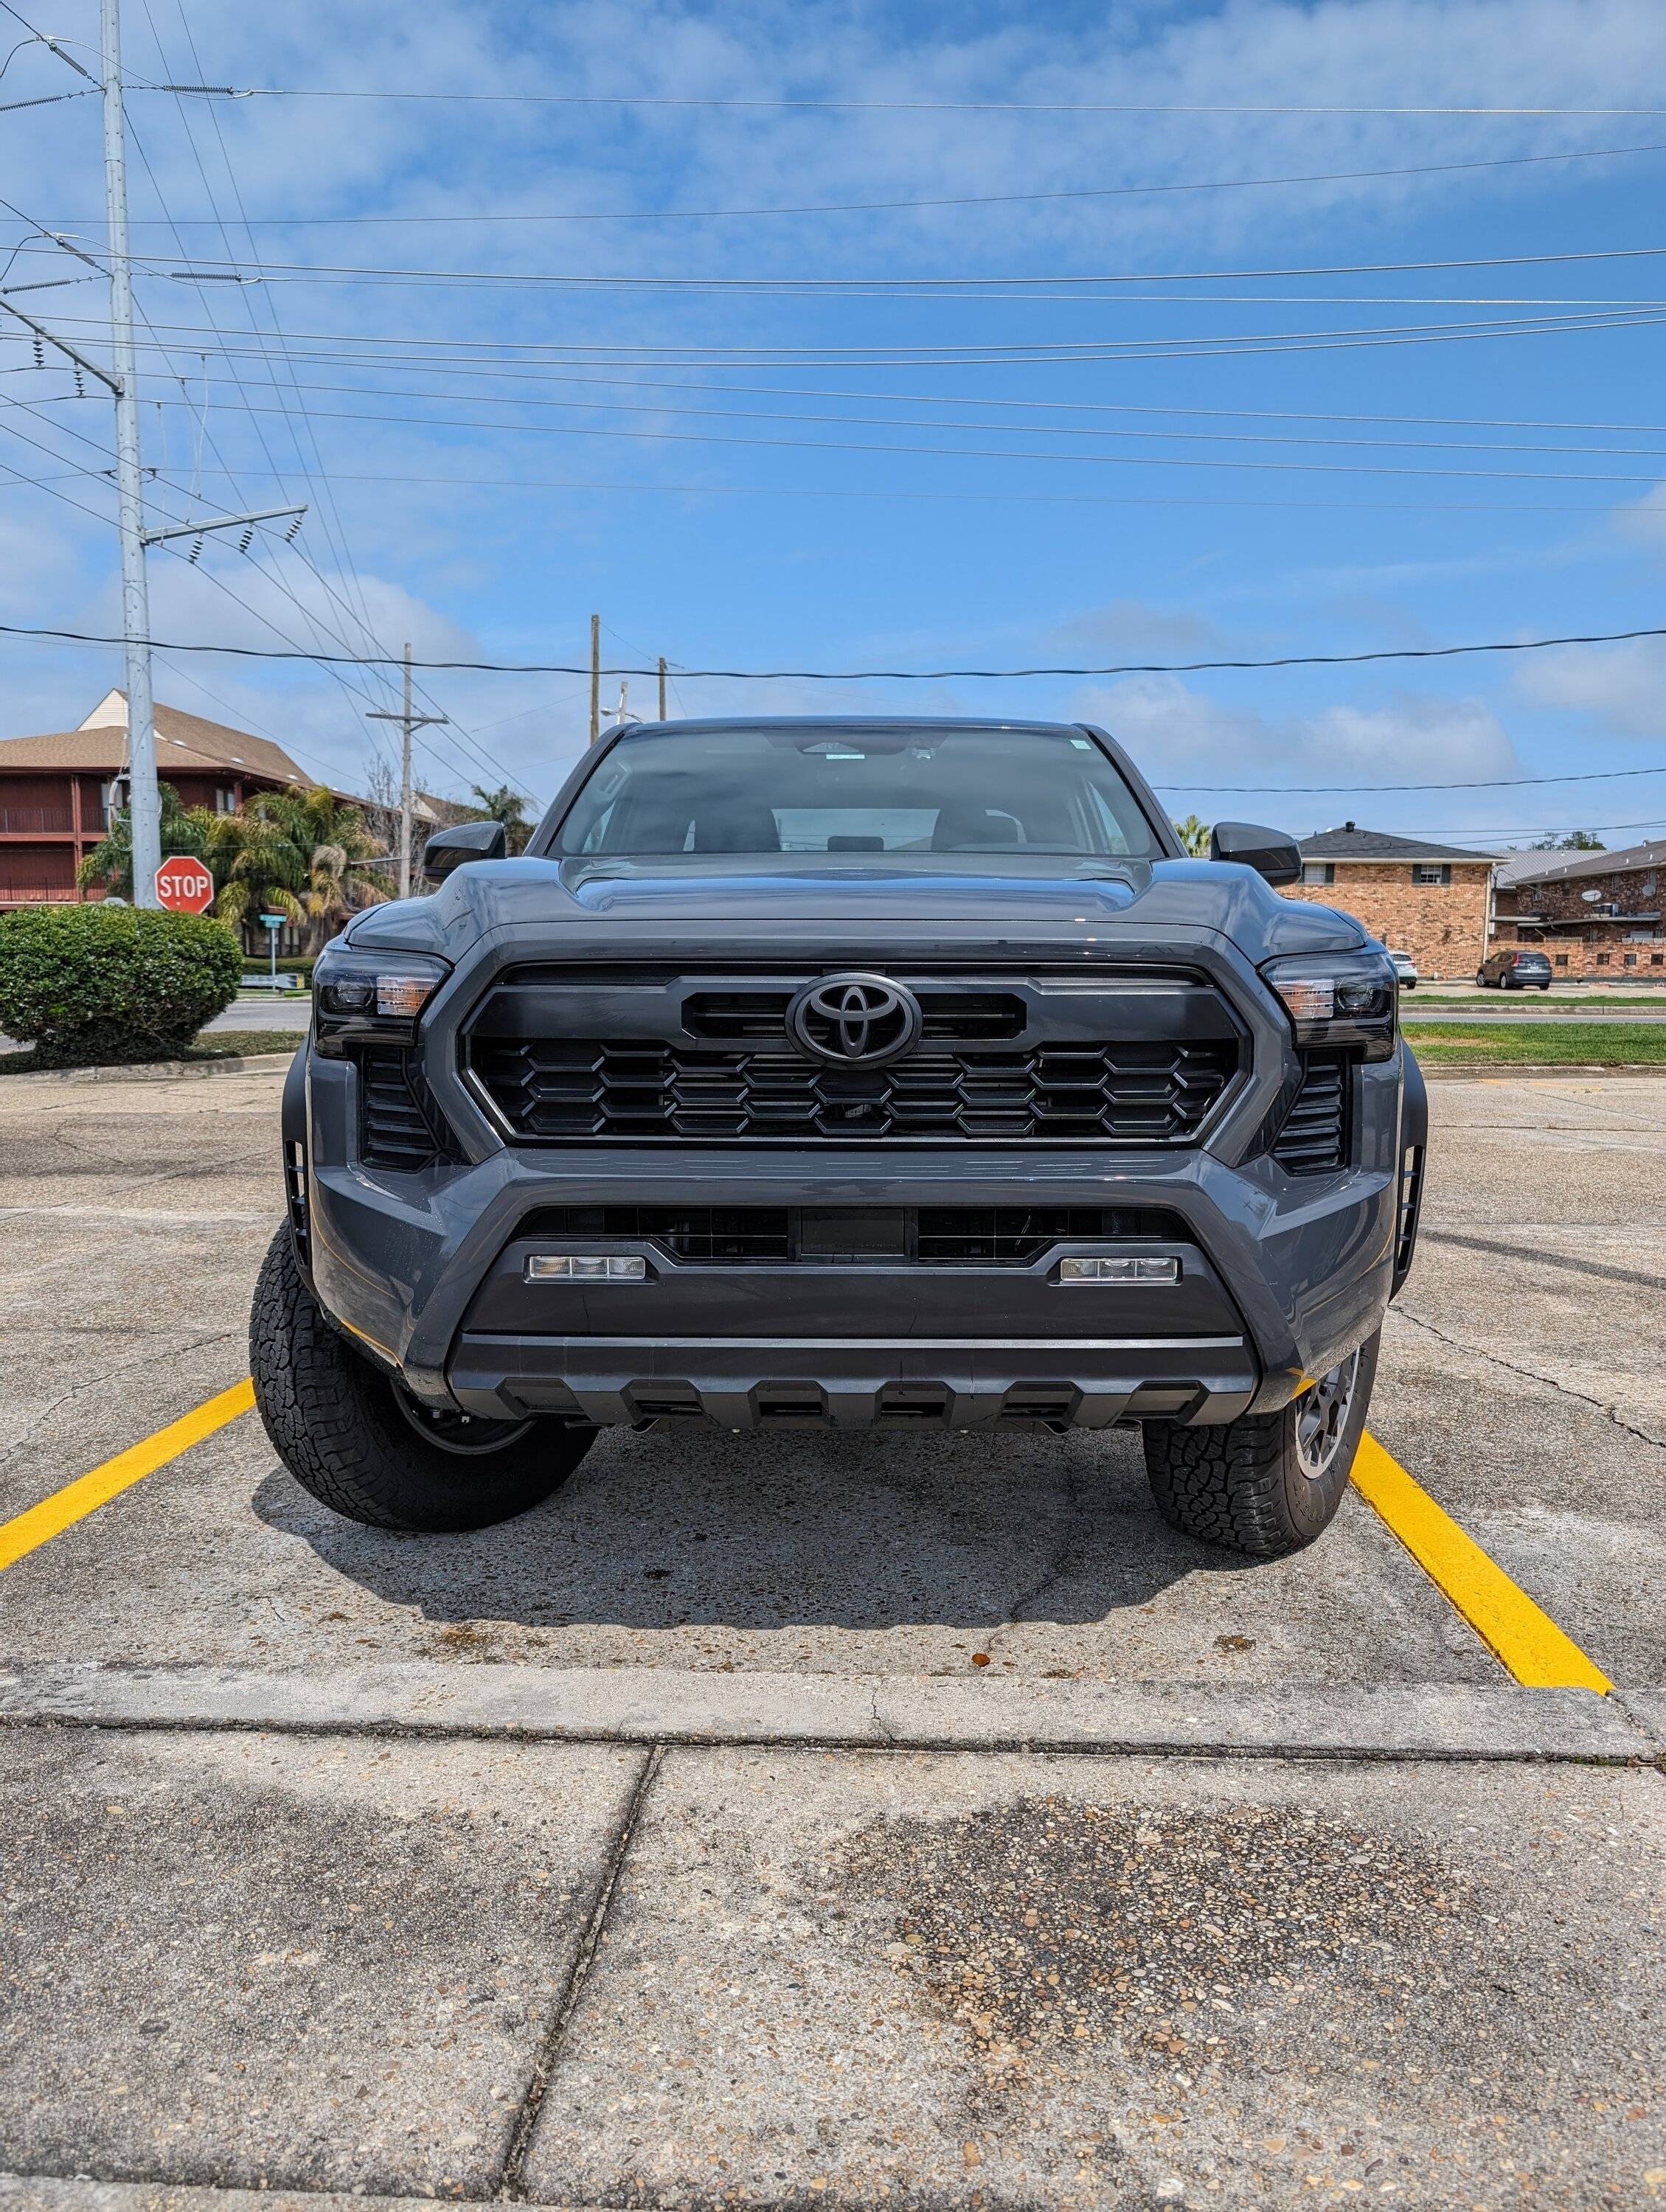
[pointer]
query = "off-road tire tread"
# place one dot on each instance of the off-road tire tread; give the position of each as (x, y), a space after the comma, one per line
(1223, 1484)
(1231, 1483)
(323, 1407)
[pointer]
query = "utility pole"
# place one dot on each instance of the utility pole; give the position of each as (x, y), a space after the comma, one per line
(144, 801)
(662, 687)
(408, 722)
(595, 677)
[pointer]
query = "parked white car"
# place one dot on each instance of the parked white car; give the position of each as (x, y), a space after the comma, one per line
(1405, 968)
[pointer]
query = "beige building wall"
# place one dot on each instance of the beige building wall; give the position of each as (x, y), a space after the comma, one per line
(1442, 925)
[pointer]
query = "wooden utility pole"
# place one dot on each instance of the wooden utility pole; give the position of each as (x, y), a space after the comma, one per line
(408, 722)
(662, 687)
(595, 677)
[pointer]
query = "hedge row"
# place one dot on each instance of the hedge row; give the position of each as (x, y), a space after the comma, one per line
(90, 984)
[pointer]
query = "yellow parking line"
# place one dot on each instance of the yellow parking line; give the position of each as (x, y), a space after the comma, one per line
(1522, 1636)
(30, 1529)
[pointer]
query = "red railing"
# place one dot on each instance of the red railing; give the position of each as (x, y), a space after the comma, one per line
(35, 820)
(38, 893)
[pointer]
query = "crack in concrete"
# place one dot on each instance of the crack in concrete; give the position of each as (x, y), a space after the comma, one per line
(1530, 1373)
(511, 2185)
(1077, 1525)
(95, 1381)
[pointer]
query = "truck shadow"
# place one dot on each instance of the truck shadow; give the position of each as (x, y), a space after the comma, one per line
(864, 1531)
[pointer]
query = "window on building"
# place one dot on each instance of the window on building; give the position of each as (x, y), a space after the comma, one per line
(225, 800)
(1432, 871)
(1656, 958)
(1601, 959)
(1561, 960)
(1319, 871)
(1631, 959)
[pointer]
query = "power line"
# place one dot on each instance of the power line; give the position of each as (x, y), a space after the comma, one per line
(881, 106)
(928, 422)
(955, 200)
(966, 453)
(472, 368)
(1067, 352)
(837, 285)
(1342, 790)
(875, 674)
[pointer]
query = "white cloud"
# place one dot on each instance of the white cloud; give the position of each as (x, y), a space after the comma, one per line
(1185, 741)
(1136, 626)
(1621, 687)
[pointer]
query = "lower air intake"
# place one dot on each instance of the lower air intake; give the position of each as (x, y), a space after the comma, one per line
(1315, 1134)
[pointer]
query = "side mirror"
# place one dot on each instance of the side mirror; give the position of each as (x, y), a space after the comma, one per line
(1268, 852)
(469, 841)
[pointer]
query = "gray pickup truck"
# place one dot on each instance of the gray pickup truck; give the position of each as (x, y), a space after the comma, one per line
(840, 1073)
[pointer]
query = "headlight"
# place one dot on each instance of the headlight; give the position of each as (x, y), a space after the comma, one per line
(361, 995)
(1339, 999)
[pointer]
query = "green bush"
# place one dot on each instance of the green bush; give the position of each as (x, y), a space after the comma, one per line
(89, 985)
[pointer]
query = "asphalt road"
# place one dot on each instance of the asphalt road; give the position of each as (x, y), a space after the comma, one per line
(784, 1820)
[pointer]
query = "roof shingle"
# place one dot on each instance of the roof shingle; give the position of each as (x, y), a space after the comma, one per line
(1350, 843)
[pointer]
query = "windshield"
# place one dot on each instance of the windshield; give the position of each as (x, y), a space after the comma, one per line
(810, 790)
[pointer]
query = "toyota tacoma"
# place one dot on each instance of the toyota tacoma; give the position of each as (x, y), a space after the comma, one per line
(839, 1073)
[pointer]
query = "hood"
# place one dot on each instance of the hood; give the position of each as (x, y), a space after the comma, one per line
(1046, 900)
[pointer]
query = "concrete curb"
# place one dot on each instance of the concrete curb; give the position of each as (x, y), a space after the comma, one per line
(162, 1070)
(1452, 1071)
(859, 1712)
(21, 2192)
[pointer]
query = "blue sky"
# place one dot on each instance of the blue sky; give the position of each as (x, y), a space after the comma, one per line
(591, 362)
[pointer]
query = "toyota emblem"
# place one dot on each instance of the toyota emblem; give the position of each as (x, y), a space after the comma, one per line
(855, 1021)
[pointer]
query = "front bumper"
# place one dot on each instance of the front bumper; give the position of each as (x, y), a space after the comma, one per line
(1281, 1276)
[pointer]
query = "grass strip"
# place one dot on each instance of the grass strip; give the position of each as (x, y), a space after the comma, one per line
(222, 1044)
(1594, 1002)
(1587, 1044)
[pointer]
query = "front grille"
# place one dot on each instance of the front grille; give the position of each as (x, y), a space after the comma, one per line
(562, 1090)
(1315, 1134)
(955, 1017)
(1014, 1236)
(400, 1125)
(930, 1236)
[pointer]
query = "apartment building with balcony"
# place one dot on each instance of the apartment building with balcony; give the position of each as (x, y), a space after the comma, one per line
(57, 792)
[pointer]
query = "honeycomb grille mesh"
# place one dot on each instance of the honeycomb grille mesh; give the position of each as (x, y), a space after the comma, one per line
(571, 1089)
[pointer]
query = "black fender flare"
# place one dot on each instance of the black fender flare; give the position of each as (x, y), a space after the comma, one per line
(1413, 1148)
(297, 1181)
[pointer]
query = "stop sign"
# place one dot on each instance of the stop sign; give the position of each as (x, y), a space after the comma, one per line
(184, 884)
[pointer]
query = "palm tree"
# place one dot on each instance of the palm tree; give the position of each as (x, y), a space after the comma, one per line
(303, 854)
(1194, 837)
(507, 807)
(184, 829)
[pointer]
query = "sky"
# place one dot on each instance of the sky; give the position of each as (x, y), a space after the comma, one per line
(827, 337)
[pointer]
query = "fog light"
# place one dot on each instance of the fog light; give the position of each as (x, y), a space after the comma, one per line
(1119, 1271)
(586, 1268)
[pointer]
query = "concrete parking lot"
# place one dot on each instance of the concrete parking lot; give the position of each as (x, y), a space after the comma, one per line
(781, 1821)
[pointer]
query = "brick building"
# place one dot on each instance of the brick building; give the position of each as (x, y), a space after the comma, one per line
(1598, 916)
(57, 792)
(1432, 901)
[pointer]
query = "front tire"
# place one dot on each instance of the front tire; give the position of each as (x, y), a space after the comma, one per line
(367, 1448)
(1266, 1483)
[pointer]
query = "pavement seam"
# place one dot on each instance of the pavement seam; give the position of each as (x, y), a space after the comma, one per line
(510, 2180)
(905, 1745)
(1529, 1374)
(1639, 1720)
